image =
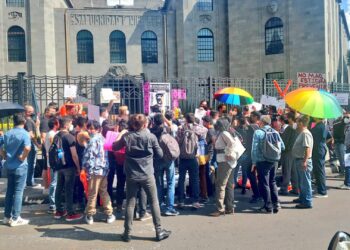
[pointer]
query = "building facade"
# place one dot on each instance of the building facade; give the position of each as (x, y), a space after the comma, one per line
(175, 38)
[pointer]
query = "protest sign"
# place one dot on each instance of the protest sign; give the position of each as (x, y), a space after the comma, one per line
(314, 80)
(70, 91)
(156, 97)
(93, 112)
(343, 98)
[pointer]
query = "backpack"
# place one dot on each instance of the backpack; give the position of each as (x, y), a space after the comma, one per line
(271, 147)
(188, 145)
(56, 153)
(203, 155)
(169, 146)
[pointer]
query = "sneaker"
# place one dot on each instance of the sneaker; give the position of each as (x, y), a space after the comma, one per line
(58, 215)
(217, 213)
(110, 219)
(19, 222)
(74, 217)
(145, 217)
(228, 212)
(126, 237)
(172, 212)
(296, 200)
(344, 187)
(7, 221)
(52, 210)
(264, 210)
(89, 220)
(196, 205)
(302, 206)
(162, 234)
(321, 196)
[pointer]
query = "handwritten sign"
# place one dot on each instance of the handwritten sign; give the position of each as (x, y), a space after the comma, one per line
(93, 112)
(108, 95)
(70, 91)
(343, 98)
(315, 80)
(268, 100)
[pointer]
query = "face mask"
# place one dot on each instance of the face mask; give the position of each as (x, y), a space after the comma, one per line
(295, 126)
(71, 127)
(346, 120)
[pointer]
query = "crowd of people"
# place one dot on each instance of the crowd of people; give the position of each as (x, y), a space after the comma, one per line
(219, 149)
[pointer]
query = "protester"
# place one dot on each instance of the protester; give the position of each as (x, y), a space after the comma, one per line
(289, 171)
(162, 166)
(141, 147)
(188, 137)
(222, 109)
(66, 173)
(302, 152)
(31, 127)
(265, 167)
(53, 126)
(227, 156)
(339, 145)
(320, 136)
(95, 164)
(17, 145)
(346, 184)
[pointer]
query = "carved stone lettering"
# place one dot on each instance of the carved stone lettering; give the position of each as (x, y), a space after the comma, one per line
(114, 20)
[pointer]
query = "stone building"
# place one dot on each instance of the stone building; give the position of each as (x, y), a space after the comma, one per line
(167, 39)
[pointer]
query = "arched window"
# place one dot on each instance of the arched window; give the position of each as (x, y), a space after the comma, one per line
(15, 3)
(85, 47)
(274, 36)
(117, 47)
(16, 41)
(205, 46)
(205, 5)
(149, 47)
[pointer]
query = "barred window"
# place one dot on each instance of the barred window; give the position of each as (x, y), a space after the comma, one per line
(205, 46)
(85, 47)
(274, 36)
(16, 44)
(117, 47)
(149, 47)
(15, 3)
(275, 75)
(205, 5)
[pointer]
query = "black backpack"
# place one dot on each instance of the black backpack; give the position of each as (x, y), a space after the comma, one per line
(55, 160)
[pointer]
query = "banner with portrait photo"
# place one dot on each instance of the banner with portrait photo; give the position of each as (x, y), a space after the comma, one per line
(159, 97)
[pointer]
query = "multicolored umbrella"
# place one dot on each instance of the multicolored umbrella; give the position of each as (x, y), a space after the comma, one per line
(315, 103)
(234, 96)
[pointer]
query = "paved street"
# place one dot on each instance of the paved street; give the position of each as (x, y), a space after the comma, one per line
(289, 229)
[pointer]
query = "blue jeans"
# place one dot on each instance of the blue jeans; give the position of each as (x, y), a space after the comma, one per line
(52, 188)
(340, 153)
(16, 180)
(190, 165)
(169, 169)
(267, 183)
(347, 176)
(304, 178)
(31, 165)
(319, 171)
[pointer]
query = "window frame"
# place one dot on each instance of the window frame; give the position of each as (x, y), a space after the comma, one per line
(205, 54)
(205, 5)
(274, 47)
(117, 54)
(15, 3)
(149, 52)
(17, 51)
(83, 46)
(275, 73)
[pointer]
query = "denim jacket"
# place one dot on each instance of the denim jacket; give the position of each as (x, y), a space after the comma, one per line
(95, 158)
(258, 140)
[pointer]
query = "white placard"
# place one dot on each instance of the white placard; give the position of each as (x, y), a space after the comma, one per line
(255, 106)
(347, 159)
(159, 97)
(117, 97)
(70, 91)
(343, 98)
(107, 95)
(268, 100)
(94, 112)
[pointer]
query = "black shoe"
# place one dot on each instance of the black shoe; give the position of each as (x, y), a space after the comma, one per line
(296, 200)
(162, 234)
(243, 191)
(264, 210)
(126, 237)
(302, 206)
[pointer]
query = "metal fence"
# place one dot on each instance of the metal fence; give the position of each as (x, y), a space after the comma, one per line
(39, 91)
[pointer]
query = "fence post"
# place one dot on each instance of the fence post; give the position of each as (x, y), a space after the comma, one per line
(20, 82)
(210, 92)
(264, 86)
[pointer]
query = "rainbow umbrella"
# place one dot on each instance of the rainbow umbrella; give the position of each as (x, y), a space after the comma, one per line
(313, 102)
(234, 96)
